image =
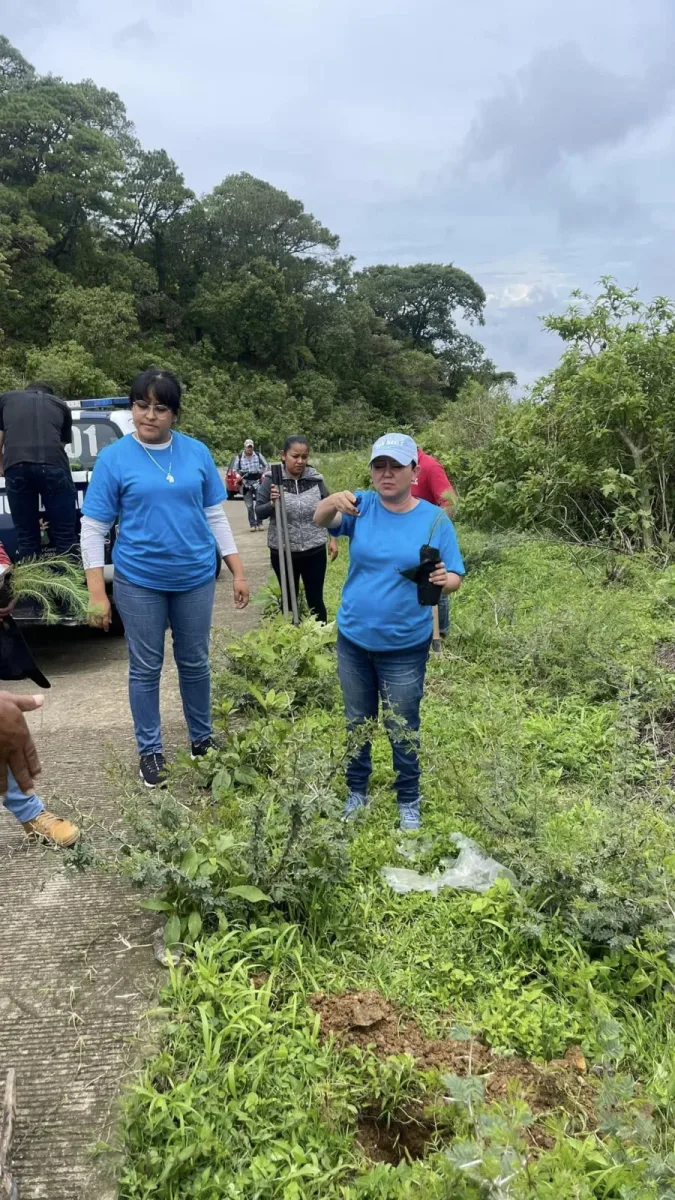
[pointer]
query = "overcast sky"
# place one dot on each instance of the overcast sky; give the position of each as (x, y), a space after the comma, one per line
(528, 141)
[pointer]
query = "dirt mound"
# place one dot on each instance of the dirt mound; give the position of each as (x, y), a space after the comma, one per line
(367, 1020)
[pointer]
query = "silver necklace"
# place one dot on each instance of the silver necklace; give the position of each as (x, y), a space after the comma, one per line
(167, 474)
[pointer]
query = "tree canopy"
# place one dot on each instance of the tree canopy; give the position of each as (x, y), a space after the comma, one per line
(591, 452)
(109, 263)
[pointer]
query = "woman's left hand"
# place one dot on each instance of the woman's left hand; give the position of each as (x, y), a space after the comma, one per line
(333, 549)
(439, 576)
(242, 593)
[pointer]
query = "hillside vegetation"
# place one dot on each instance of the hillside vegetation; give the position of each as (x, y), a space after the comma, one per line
(328, 1038)
(590, 453)
(110, 263)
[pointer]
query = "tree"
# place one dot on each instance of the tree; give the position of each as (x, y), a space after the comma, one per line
(251, 319)
(101, 320)
(592, 450)
(15, 71)
(154, 194)
(246, 219)
(419, 303)
(71, 370)
(108, 263)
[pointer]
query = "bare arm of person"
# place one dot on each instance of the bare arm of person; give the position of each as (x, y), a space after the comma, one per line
(17, 749)
(328, 512)
(92, 543)
(242, 592)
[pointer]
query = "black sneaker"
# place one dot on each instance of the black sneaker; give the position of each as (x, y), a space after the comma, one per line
(201, 749)
(153, 770)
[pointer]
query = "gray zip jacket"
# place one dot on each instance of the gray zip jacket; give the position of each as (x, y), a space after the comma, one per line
(302, 496)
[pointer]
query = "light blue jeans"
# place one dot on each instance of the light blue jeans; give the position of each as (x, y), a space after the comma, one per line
(24, 808)
(146, 614)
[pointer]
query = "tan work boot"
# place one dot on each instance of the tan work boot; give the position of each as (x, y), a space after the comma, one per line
(52, 829)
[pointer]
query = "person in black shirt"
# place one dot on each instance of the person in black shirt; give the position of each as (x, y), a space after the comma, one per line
(35, 427)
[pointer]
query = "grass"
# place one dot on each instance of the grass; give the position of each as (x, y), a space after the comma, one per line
(547, 738)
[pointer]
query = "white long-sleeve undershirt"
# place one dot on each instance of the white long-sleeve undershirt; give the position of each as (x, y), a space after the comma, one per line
(94, 533)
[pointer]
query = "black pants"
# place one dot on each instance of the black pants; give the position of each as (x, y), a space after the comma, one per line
(309, 567)
(25, 485)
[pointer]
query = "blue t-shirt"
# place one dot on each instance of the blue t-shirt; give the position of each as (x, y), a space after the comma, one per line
(164, 541)
(379, 609)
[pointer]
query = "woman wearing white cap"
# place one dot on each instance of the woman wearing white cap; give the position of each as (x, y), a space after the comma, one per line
(384, 632)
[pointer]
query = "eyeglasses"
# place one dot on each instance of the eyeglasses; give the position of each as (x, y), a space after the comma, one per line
(160, 409)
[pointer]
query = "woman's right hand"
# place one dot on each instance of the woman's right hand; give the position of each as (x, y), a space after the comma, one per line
(275, 494)
(345, 502)
(99, 613)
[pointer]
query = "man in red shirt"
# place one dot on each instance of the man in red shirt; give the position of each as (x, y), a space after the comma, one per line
(432, 484)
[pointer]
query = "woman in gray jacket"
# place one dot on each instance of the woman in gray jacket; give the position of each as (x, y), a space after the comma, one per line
(303, 489)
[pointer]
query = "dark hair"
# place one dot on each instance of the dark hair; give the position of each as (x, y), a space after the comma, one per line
(290, 441)
(160, 386)
(40, 387)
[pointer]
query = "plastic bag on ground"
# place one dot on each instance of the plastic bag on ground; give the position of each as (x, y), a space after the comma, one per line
(472, 870)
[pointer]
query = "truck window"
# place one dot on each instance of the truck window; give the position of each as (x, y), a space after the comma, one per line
(88, 438)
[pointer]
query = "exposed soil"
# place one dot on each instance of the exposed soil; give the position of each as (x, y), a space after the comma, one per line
(394, 1141)
(367, 1020)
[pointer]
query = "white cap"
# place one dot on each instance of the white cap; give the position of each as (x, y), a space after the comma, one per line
(249, 442)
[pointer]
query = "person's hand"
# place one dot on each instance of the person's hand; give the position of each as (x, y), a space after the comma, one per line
(439, 576)
(275, 494)
(99, 613)
(333, 549)
(448, 580)
(7, 612)
(345, 502)
(242, 593)
(17, 749)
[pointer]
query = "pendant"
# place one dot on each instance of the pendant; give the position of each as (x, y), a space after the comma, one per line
(170, 479)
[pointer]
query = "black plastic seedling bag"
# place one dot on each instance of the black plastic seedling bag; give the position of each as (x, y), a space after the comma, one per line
(428, 594)
(16, 660)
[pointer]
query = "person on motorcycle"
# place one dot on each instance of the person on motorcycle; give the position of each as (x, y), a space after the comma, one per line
(250, 466)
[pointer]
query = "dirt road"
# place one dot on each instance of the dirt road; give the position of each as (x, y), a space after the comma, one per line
(77, 971)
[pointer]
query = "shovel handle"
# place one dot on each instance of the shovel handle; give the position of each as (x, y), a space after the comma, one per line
(436, 639)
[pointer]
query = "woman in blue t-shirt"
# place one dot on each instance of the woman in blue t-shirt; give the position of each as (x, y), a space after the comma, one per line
(164, 490)
(384, 633)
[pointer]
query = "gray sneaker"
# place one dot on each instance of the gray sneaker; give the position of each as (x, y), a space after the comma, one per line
(410, 817)
(355, 801)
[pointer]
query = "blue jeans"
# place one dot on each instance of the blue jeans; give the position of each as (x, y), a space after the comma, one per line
(24, 808)
(250, 497)
(444, 616)
(146, 614)
(397, 678)
(25, 484)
